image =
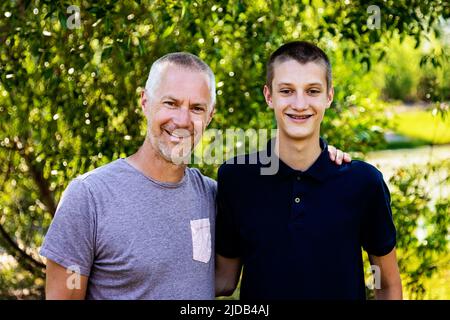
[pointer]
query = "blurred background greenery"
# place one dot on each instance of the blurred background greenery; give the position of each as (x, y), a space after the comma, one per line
(69, 103)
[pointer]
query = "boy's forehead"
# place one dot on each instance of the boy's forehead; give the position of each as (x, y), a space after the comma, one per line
(290, 70)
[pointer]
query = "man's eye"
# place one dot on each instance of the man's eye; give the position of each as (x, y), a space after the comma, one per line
(314, 91)
(198, 109)
(286, 91)
(169, 103)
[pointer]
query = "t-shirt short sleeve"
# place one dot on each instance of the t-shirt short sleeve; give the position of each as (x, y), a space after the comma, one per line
(70, 240)
(227, 232)
(378, 231)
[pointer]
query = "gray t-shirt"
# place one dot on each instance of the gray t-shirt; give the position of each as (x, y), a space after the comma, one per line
(134, 237)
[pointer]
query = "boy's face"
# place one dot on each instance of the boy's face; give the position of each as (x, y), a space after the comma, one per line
(299, 98)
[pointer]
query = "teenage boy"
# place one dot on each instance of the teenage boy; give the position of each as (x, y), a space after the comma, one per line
(298, 233)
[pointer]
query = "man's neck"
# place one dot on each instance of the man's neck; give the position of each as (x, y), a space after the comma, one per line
(298, 154)
(150, 163)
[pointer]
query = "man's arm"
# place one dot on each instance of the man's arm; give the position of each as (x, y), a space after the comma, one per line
(228, 271)
(391, 284)
(61, 285)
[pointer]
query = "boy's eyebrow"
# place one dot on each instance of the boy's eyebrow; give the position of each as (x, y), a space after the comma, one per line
(308, 84)
(315, 84)
(284, 84)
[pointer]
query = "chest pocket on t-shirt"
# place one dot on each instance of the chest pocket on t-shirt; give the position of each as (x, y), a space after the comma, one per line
(201, 240)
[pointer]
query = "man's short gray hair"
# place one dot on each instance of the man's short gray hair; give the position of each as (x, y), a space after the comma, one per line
(183, 59)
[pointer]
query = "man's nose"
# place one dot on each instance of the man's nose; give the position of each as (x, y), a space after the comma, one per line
(183, 118)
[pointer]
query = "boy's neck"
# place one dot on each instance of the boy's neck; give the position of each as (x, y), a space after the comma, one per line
(299, 154)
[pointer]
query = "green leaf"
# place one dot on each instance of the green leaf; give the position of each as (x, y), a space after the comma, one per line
(168, 31)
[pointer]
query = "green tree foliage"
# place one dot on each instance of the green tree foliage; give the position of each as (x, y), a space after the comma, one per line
(69, 97)
(417, 73)
(422, 224)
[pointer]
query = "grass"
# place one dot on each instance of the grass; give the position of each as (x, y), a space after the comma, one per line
(410, 143)
(422, 127)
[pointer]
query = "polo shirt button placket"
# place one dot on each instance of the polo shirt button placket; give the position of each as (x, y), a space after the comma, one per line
(297, 184)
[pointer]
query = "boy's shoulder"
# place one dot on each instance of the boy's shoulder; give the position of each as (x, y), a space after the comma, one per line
(242, 164)
(247, 165)
(361, 170)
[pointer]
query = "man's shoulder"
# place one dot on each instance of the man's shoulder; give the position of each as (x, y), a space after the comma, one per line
(201, 179)
(105, 175)
(106, 170)
(363, 171)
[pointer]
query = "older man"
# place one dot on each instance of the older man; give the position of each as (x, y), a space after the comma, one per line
(140, 227)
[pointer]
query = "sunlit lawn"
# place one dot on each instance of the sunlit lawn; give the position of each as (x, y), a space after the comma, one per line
(423, 126)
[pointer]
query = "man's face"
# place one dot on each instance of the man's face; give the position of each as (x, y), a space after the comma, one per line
(299, 98)
(177, 112)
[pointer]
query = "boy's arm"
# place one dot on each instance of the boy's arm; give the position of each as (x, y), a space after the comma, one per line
(228, 271)
(391, 284)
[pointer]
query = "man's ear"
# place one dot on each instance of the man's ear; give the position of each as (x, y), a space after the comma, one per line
(211, 115)
(144, 100)
(330, 97)
(268, 96)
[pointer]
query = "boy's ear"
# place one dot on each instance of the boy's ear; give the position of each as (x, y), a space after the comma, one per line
(268, 96)
(330, 97)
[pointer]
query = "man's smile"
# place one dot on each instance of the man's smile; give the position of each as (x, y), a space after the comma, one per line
(178, 134)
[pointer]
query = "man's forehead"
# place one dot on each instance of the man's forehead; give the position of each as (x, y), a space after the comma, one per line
(179, 78)
(171, 70)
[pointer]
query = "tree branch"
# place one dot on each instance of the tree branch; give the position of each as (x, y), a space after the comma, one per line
(31, 263)
(42, 184)
(38, 177)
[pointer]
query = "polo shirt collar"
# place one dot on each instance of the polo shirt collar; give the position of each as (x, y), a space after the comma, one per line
(320, 170)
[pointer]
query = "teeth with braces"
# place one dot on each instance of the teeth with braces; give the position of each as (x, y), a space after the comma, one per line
(299, 117)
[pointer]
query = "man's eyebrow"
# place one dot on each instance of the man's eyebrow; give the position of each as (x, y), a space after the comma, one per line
(199, 104)
(169, 98)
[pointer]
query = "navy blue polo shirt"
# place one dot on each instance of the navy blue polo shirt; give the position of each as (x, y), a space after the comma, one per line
(300, 234)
